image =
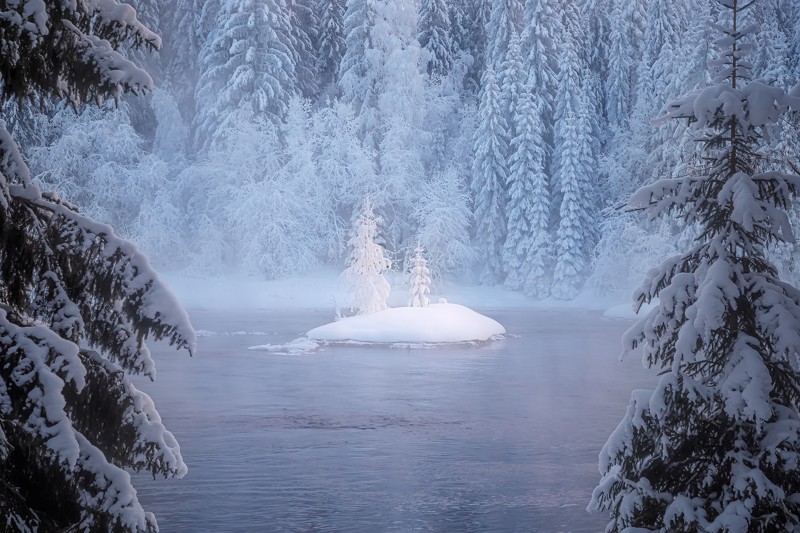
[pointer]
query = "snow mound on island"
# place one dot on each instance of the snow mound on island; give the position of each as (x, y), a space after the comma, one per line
(435, 323)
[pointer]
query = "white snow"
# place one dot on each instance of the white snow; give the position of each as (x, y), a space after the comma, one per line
(434, 323)
(295, 347)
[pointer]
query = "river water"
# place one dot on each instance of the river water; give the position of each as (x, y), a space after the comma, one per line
(501, 436)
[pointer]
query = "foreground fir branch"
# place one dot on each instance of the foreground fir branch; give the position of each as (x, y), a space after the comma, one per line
(76, 301)
(716, 446)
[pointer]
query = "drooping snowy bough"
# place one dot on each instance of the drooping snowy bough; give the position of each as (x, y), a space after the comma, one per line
(716, 446)
(76, 301)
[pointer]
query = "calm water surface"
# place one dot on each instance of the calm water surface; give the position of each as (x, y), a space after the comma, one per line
(501, 436)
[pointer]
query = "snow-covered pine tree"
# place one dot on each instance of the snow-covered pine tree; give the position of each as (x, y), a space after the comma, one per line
(541, 49)
(188, 28)
(512, 82)
(618, 86)
(772, 46)
(528, 244)
(469, 19)
(356, 72)
(76, 301)
(435, 37)
(715, 447)
(330, 40)
(303, 26)
(505, 19)
(573, 166)
(247, 60)
(419, 280)
(489, 178)
(363, 279)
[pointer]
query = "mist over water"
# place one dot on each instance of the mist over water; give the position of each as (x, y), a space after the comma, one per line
(501, 436)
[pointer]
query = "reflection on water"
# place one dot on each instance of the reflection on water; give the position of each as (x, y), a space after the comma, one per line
(496, 437)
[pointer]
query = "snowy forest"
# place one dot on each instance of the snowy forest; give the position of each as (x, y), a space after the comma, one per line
(550, 148)
(503, 137)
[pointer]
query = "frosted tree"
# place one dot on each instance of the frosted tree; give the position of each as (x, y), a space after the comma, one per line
(419, 280)
(489, 179)
(715, 446)
(573, 169)
(303, 26)
(345, 168)
(247, 60)
(469, 19)
(443, 222)
(527, 248)
(619, 83)
(512, 82)
(76, 302)
(330, 39)
(97, 160)
(400, 91)
(505, 20)
(435, 37)
(363, 278)
(266, 207)
(661, 77)
(772, 45)
(358, 68)
(189, 27)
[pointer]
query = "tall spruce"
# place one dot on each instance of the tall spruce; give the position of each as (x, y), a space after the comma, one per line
(247, 61)
(527, 248)
(490, 178)
(573, 165)
(330, 40)
(436, 37)
(76, 302)
(715, 446)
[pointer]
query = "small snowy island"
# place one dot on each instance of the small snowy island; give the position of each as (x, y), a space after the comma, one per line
(435, 323)
(420, 322)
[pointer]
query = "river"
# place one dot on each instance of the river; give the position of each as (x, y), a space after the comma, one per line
(499, 436)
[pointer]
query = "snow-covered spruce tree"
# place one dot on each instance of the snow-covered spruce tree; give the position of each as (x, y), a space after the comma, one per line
(76, 301)
(621, 55)
(489, 178)
(527, 246)
(357, 69)
(330, 40)
(505, 20)
(247, 60)
(469, 19)
(419, 280)
(435, 37)
(573, 166)
(715, 447)
(363, 278)
(303, 26)
(512, 82)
